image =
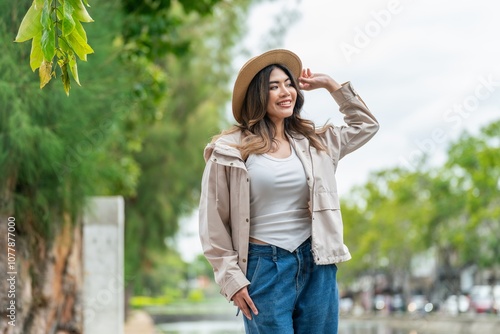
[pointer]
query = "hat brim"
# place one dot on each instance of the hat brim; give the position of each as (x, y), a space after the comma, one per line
(248, 71)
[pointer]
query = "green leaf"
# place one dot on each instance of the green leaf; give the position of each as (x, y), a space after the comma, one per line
(79, 45)
(30, 25)
(46, 19)
(63, 44)
(48, 44)
(80, 30)
(80, 13)
(38, 4)
(64, 75)
(36, 55)
(68, 24)
(73, 68)
(45, 72)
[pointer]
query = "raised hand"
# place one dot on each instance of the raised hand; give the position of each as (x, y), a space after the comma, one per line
(310, 81)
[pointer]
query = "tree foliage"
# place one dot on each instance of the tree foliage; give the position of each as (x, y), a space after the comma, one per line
(453, 209)
(188, 113)
(57, 35)
(137, 129)
(475, 161)
(57, 151)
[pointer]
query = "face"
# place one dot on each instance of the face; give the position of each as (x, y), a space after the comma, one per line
(282, 96)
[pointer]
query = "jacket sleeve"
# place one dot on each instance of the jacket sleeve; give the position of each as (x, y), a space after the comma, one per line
(361, 124)
(215, 229)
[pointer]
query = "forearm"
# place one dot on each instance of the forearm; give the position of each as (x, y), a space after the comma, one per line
(332, 85)
(361, 124)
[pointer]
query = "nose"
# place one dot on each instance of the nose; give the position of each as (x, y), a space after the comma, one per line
(285, 91)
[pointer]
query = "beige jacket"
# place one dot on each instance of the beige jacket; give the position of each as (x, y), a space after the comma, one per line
(224, 212)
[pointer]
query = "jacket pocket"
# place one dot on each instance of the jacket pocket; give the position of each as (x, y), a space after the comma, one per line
(326, 200)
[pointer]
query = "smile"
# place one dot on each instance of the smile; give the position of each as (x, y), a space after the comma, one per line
(286, 103)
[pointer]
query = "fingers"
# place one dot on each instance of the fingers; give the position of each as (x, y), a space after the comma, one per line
(306, 80)
(244, 302)
(243, 306)
(306, 72)
(250, 303)
(306, 83)
(304, 86)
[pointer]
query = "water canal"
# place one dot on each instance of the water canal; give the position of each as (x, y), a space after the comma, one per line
(236, 327)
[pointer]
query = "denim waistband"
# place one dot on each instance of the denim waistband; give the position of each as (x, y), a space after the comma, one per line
(272, 250)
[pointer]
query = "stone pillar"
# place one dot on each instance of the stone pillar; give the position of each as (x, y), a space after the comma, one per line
(103, 253)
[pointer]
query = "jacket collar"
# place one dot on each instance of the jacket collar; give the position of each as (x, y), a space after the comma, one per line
(225, 145)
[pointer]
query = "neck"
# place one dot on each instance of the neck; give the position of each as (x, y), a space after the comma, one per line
(280, 131)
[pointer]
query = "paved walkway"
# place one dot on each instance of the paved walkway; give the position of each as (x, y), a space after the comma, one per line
(139, 322)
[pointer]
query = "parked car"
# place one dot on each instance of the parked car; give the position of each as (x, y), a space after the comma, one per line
(456, 304)
(397, 303)
(379, 302)
(484, 299)
(419, 304)
(496, 295)
(346, 305)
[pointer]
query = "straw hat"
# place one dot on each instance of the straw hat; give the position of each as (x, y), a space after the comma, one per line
(253, 66)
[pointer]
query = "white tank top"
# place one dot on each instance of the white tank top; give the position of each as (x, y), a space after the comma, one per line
(279, 200)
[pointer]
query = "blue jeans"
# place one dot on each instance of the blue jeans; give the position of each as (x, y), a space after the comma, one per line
(291, 292)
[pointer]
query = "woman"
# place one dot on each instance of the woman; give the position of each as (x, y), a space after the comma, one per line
(270, 221)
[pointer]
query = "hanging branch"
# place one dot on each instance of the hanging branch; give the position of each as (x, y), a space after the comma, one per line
(56, 30)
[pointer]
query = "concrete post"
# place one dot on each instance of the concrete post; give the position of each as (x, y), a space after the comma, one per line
(103, 252)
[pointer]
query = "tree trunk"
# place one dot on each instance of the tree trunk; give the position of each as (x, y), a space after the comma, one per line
(46, 281)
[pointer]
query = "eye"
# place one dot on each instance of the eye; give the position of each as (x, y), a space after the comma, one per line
(273, 87)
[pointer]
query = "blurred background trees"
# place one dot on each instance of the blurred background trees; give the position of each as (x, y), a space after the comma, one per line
(186, 116)
(153, 94)
(452, 209)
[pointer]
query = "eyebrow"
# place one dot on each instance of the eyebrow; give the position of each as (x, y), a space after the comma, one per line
(276, 82)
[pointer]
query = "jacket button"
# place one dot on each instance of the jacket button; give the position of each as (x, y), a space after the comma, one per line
(231, 164)
(247, 220)
(244, 260)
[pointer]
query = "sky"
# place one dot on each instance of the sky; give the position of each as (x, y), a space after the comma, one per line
(428, 70)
